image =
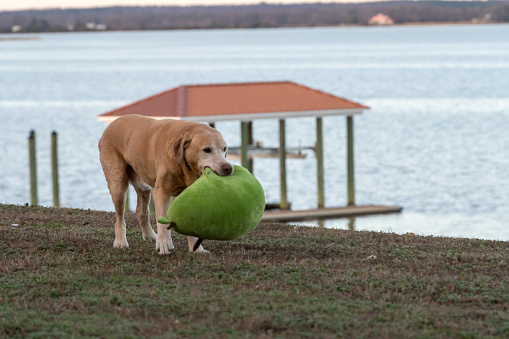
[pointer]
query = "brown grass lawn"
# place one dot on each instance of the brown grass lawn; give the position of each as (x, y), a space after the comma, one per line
(60, 277)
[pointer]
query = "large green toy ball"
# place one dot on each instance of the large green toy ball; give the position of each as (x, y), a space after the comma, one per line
(218, 207)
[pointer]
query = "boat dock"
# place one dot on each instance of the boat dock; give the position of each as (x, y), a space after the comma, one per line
(328, 213)
(258, 151)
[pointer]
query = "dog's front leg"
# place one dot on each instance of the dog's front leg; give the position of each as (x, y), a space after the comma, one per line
(164, 244)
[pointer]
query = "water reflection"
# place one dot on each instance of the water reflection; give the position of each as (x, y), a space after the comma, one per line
(351, 224)
(325, 223)
(453, 225)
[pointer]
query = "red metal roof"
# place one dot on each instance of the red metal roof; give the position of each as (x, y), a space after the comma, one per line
(239, 101)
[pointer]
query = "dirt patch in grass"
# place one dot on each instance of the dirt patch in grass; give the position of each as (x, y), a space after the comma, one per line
(61, 277)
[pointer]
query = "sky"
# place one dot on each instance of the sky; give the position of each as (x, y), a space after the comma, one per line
(9, 5)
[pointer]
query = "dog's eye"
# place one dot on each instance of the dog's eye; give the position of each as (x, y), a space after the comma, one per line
(207, 150)
(224, 149)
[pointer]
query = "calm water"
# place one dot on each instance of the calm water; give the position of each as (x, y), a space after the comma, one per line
(435, 141)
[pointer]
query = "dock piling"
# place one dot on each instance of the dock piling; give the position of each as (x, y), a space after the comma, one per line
(350, 161)
(244, 130)
(282, 164)
(54, 170)
(33, 169)
(250, 141)
(319, 162)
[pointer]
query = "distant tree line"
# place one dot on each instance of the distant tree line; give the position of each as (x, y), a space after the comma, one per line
(252, 16)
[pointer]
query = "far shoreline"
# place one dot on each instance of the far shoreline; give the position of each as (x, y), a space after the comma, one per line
(22, 36)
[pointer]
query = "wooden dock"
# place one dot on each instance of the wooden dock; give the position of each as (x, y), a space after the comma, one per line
(258, 151)
(19, 38)
(328, 213)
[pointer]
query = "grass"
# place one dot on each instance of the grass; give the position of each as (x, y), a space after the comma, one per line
(60, 277)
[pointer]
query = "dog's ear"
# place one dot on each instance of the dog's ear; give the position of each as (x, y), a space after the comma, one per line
(179, 147)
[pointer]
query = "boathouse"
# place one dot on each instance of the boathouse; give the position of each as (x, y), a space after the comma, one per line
(245, 102)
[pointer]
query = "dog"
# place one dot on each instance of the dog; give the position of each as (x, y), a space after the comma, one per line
(162, 157)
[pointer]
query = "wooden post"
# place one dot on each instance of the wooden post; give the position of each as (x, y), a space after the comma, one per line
(250, 141)
(282, 164)
(244, 130)
(54, 170)
(33, 169)
(350, 161)
(319, 162)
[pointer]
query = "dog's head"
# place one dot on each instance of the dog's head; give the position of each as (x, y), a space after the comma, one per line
(202, 147)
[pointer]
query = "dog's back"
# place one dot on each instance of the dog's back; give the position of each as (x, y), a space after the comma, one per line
(126, 131)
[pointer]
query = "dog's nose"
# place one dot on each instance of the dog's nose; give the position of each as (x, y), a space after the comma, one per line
(227, 168)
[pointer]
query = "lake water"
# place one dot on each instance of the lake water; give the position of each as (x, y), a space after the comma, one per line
(436, 140)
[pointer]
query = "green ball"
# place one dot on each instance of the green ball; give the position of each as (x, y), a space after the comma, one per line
(218, 207)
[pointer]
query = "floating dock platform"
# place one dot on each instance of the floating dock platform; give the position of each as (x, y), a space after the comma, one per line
(328, 213)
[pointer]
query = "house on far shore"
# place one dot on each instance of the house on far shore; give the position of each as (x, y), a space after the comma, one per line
(381, 20)
(92, 26)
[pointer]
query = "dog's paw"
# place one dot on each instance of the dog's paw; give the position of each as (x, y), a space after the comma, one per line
(201, 251)
(164, 245)
(149, 235)
(120, 244)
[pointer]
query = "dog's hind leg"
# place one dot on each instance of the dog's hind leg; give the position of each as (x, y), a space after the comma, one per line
(114, 168)
(142, 206)
(195, 245)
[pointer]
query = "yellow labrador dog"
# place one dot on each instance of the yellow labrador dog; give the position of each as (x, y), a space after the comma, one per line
(159, 156)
